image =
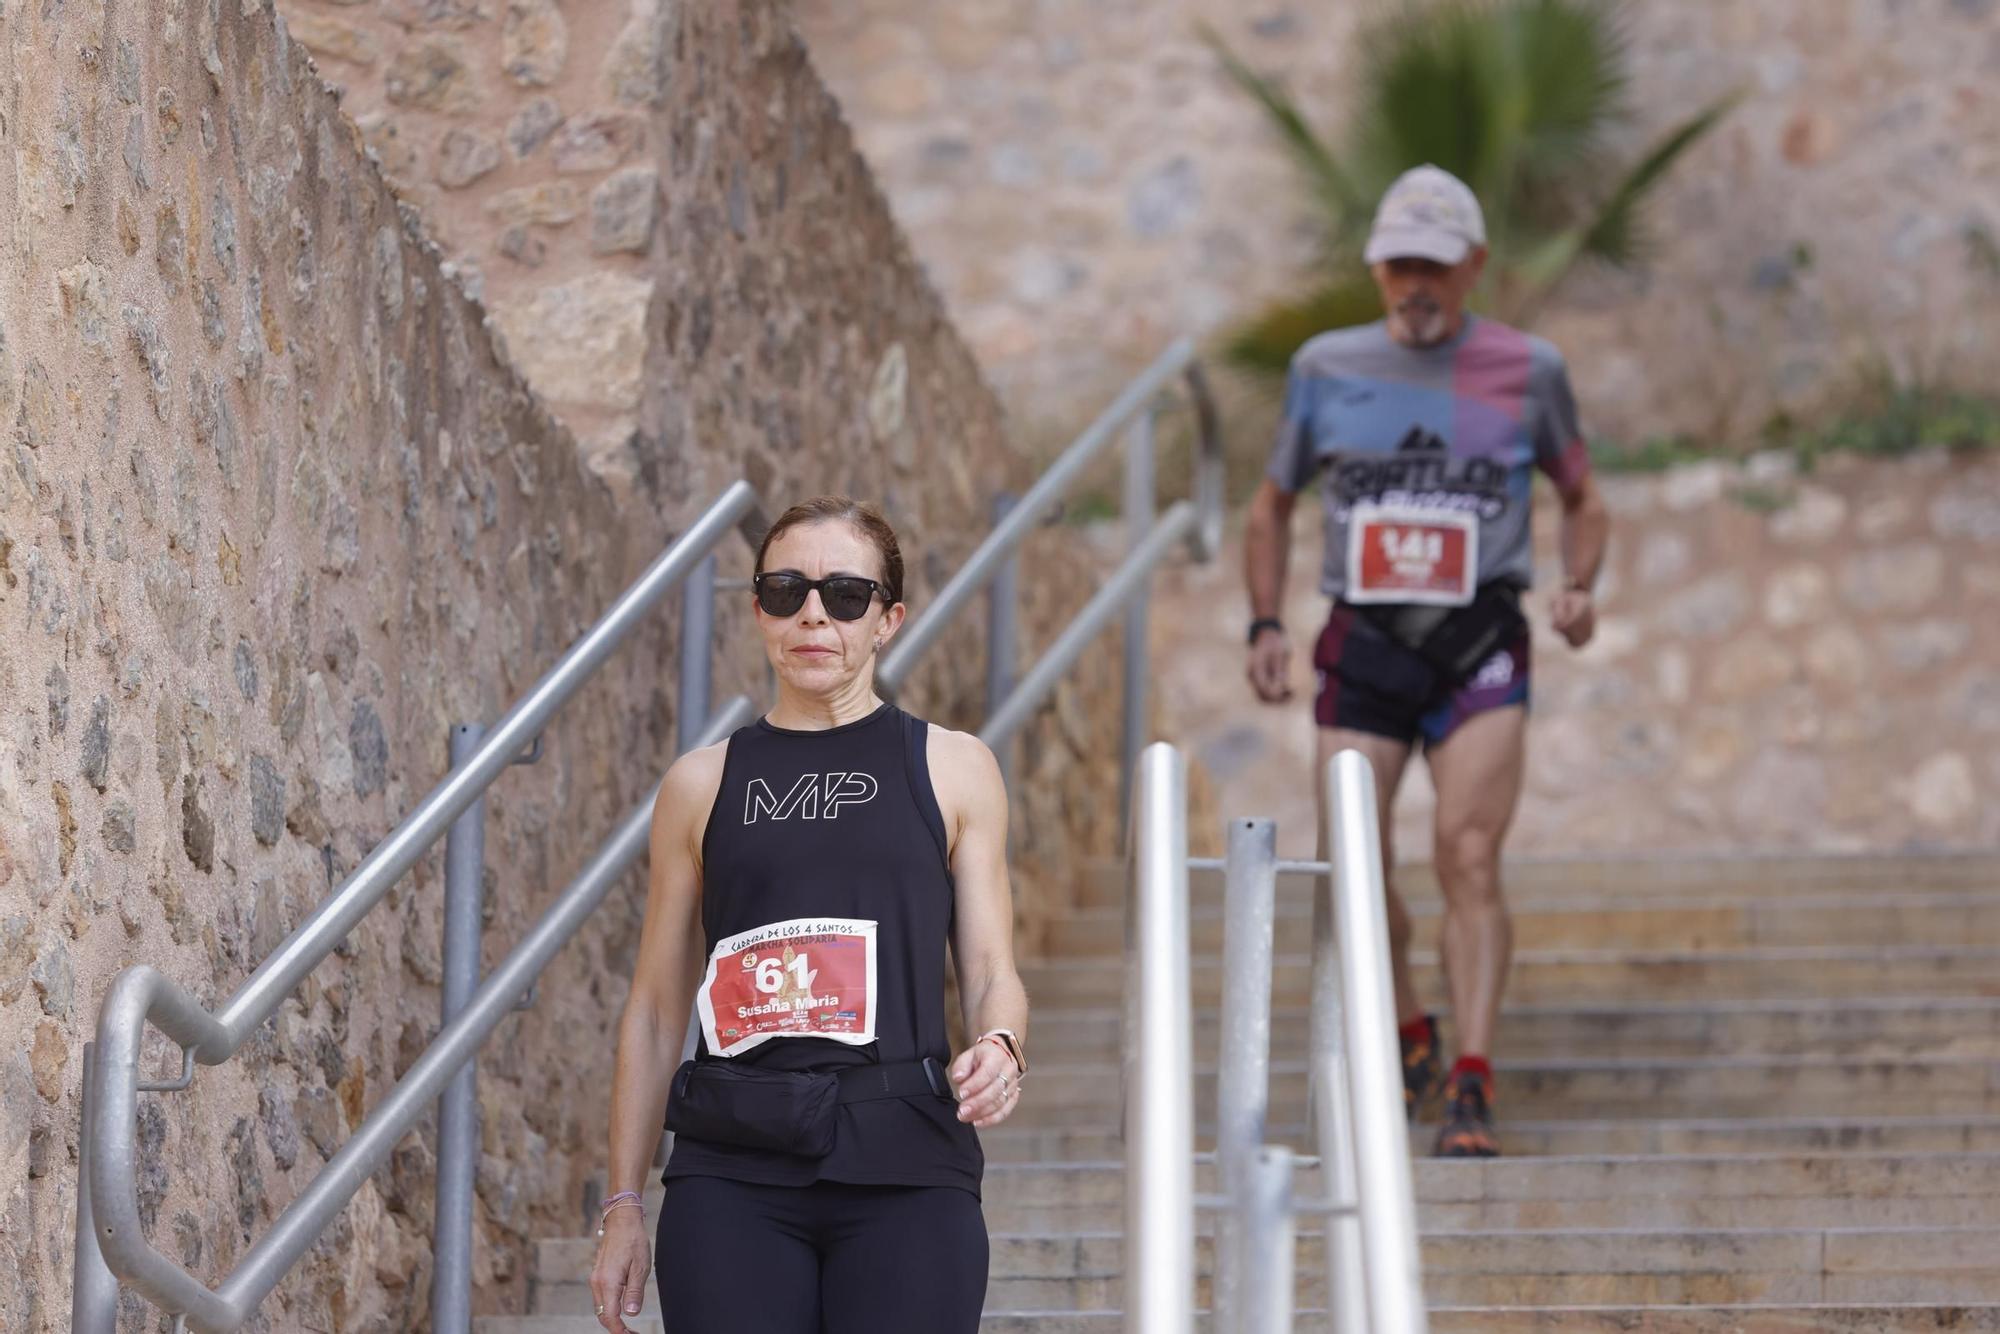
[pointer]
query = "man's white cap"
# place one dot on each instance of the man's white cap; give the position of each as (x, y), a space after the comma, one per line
(1427, 214)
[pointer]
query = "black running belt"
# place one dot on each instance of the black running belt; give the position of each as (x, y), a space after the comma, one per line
(903, 1079)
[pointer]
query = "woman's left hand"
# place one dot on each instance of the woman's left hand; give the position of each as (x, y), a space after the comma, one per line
(988, 1085)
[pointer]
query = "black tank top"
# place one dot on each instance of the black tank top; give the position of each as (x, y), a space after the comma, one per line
(841, 824)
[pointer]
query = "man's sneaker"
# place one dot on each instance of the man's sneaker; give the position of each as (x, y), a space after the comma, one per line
(1423, 1069)
(1468, 1119)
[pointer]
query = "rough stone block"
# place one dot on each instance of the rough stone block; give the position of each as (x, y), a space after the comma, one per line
(1892, 579)
(635, 73)
(534, 42)
(598, 142)
(465, 156)
(550, 204)
(583, 341)
(433, 74)
(624, 210)
(532, 125)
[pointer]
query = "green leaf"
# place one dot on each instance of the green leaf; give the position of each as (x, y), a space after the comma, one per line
(1264, 344)
(1347, 208)
(1518, 98)
(1616, 234)
(1569, 59)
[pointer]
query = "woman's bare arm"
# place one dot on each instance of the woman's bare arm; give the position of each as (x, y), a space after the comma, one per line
(973, 799)
(655, 1021)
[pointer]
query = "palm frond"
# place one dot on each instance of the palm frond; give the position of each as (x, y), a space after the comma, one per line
(1616, 234)
(1431, 83)
(1329, 180)
(1518, 98)
(1570, 58)
(1263, 345)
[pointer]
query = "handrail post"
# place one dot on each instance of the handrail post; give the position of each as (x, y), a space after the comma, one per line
(1139, 507)
(1158, 1058)
(1002, 645)
(94, 1297)
(1381, 1138)
(458, 1108)
(697, 652)
(1242, 1092)
(1333, 1126)
(1269, 1286)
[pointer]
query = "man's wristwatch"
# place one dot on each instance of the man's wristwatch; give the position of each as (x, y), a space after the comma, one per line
(1004, 1038)
(1263, 623)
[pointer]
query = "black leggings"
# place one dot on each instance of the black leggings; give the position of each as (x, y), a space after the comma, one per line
(828, 1258)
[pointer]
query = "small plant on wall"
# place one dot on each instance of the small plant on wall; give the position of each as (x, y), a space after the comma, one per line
(1518, 98)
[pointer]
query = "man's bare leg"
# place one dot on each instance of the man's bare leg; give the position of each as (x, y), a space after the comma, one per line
(1477, 773)
(1388, 757)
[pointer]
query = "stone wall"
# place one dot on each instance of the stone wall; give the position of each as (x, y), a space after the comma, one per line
(276, 511)
(528, 135)
(1783, 663)
(1084, 184)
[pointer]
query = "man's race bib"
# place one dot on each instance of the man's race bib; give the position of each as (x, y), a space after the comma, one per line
(1400, 554)
(811, 977)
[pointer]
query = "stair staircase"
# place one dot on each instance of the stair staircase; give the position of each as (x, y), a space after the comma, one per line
(1756, 1096)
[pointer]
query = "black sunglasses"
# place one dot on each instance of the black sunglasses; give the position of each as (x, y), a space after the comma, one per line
(845, 596)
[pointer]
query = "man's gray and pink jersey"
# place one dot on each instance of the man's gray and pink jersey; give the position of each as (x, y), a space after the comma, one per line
(1459, 426)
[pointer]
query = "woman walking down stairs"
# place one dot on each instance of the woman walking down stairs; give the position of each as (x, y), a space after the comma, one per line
(1750, 1095)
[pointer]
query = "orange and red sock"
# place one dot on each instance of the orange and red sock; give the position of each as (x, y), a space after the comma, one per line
(1473, 1065)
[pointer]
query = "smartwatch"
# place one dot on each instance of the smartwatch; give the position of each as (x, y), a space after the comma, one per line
(1263, 623)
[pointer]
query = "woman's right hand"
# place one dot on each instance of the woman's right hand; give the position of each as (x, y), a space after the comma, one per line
(618, 1279)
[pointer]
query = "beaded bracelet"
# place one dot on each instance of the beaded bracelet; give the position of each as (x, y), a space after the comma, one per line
(617, 1203)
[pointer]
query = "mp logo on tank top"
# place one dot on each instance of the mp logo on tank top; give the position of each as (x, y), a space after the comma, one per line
(812, 797)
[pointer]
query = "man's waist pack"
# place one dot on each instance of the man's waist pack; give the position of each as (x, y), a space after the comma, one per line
(1454, 641)
(786, 1111)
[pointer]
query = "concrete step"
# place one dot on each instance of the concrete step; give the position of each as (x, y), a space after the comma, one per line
(1014, 1143)
(1884, 1319)
(1722, 1191)
(1702, 921)
(1599, 1267)
(1542, 977)
(1859, 1027)
(1881, 1319)
(1103, 884)
(1643, 1087)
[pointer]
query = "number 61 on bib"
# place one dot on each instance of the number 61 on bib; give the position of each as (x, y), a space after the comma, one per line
(811, 977)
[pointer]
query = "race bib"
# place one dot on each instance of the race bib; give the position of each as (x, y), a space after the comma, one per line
(811, 977)
(1401, 554)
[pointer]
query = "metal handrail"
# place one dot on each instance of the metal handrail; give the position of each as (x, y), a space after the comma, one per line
(1358, 1084)
(1355, 1077)
(110, 1241)
(1042, 499)
(1109, 602)
(1158, 1056)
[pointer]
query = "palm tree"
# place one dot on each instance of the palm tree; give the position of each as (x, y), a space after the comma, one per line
(1517, 98)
